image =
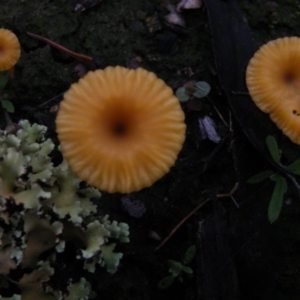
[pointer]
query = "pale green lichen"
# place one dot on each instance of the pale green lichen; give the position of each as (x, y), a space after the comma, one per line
(43, 207)
(14, 297)
(80, 290)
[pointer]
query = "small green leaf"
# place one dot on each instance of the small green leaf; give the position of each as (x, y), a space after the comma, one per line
(202, 89)
(8, 106)
(182, 94)
(275, 204)
(166, 282)
(294, 167)
(273, 148)
(274, 177)
(3, 79)
(175, 267)
(189, 255)
(260, 177)
(180, 278)
(187, 270)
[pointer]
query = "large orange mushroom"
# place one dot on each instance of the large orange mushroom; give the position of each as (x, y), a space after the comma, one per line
(10, 49)
(273, 81)
(120, 130)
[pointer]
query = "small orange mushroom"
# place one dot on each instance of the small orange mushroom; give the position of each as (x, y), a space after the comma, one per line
(10, 49)
(120, 129)
(273, 81)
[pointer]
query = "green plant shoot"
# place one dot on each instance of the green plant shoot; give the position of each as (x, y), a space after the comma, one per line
(6, 104)
(280, 187)
(177, 269)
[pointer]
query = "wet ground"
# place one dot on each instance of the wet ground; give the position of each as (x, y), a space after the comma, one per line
(239, 254)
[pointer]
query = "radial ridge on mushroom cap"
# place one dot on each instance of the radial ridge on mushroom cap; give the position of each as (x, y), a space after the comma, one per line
(10, 49)
(273, 81)
(120, 130)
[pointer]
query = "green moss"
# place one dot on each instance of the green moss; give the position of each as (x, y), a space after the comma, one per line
(114, 32)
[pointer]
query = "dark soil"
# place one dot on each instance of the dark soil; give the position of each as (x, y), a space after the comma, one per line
(240, 255)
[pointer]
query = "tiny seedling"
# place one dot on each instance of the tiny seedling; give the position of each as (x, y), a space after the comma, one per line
(6, 104)
(177, 269)
(280, 188)
(199, 90)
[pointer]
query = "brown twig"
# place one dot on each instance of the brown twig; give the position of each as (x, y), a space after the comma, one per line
(194, 211)
(80, 57)
(229, 195)
(218, 112)
(50, 100)
(180, 223)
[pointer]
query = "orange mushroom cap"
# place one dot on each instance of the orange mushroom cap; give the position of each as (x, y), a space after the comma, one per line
(120, 130)
(10, 49)
(273, 81)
